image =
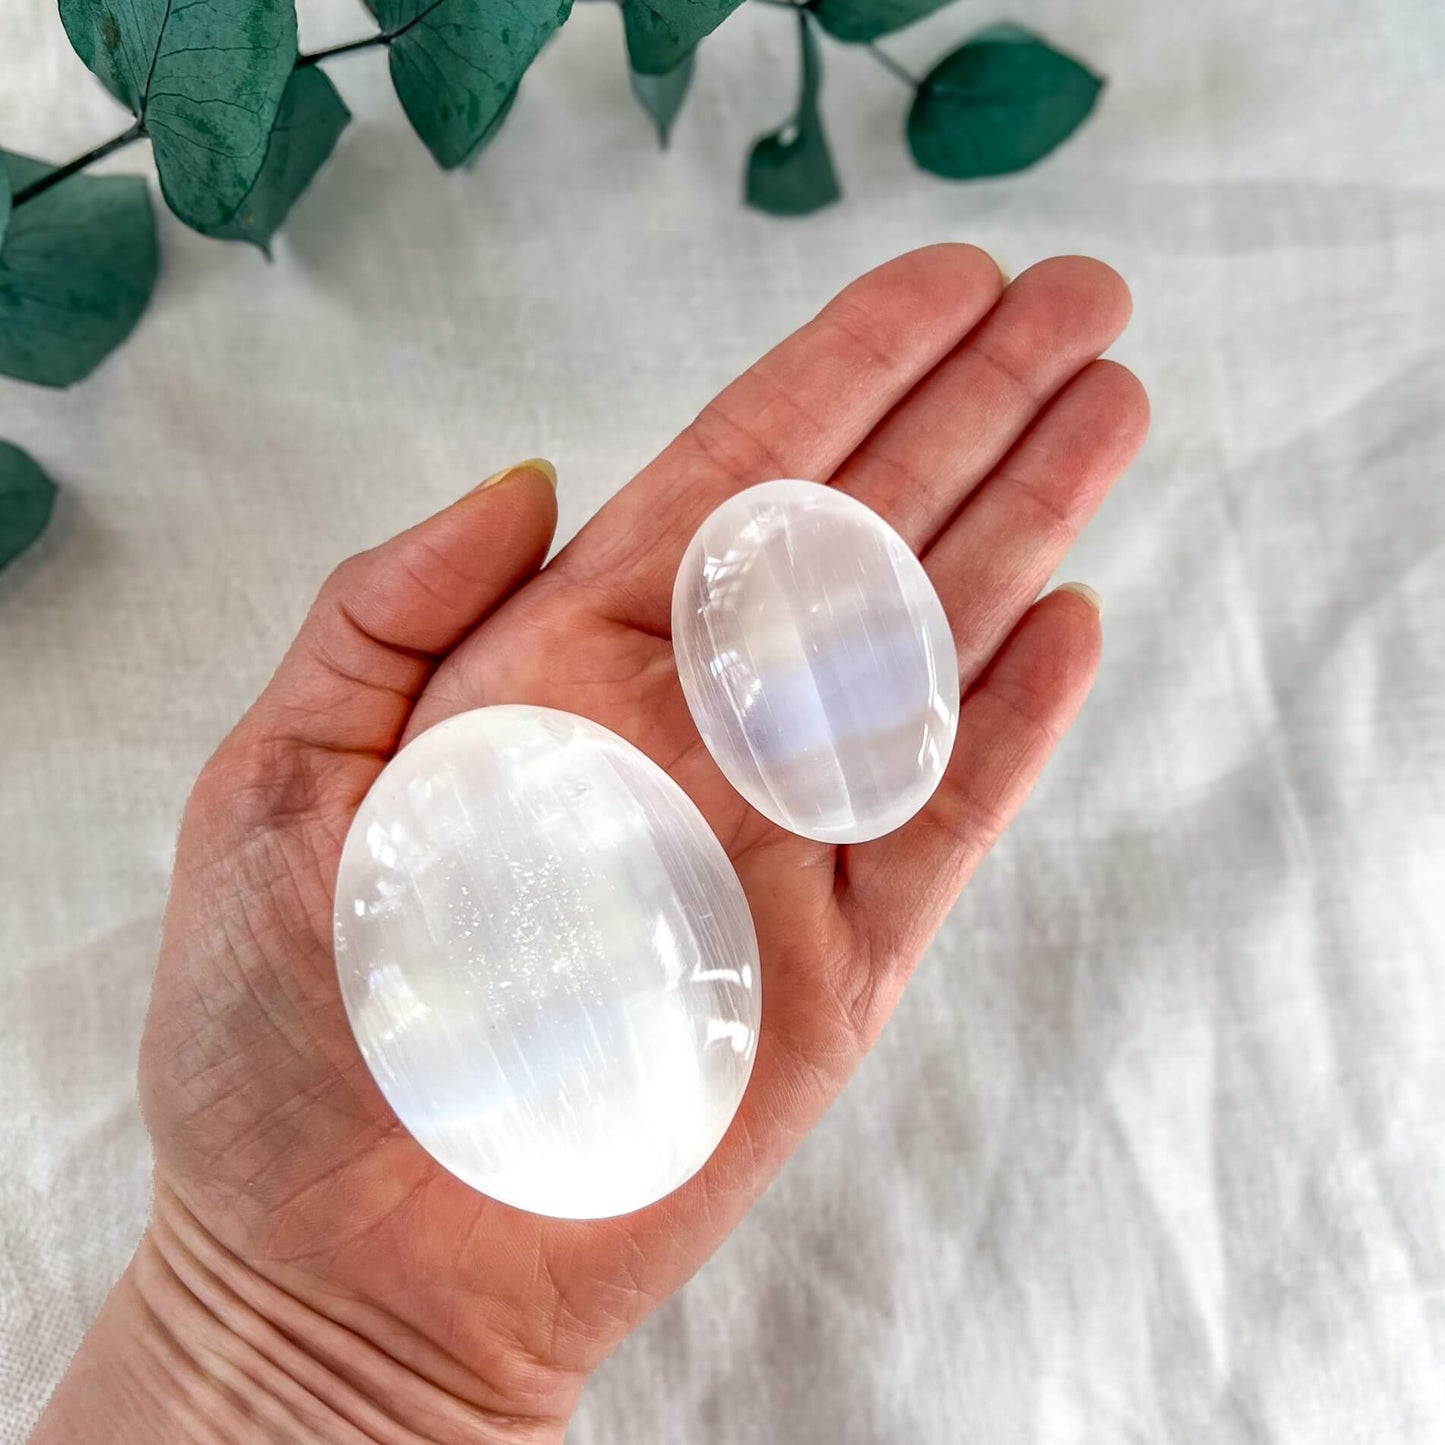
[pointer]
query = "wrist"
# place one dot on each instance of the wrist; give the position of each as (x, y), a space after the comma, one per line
(194, 1345)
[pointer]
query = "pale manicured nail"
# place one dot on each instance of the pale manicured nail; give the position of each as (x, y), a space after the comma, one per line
(535, 464)
(1082, 589)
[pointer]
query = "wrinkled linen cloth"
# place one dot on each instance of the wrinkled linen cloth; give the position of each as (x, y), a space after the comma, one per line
(1153, 1149)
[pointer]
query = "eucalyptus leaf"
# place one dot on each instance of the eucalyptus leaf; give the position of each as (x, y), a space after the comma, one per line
(456, 64)
(662, 95)
(859, 21)
(205, 79)
(76, 271)
(661, 34)
(1001, 101)
(497, 122)
(311, 117)
(790, 172)
(27, 497)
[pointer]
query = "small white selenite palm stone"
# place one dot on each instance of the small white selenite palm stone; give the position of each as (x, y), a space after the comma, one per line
(817, 661)
(548, 962)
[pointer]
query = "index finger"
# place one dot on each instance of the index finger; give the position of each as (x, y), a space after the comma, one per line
(798, 412)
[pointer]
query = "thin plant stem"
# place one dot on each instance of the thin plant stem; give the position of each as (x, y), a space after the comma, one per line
(316, 56)
(43, 183)
(901, 72)
(382, 37)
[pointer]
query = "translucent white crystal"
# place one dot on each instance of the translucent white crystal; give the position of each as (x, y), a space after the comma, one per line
(817, 661)
(548, 962)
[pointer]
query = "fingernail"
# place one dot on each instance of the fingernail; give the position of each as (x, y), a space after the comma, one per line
(533, 464)
(1082, 589)
(1002, 269)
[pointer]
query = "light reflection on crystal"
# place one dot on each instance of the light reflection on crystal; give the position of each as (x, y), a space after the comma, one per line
(547, 961)
(817, 661)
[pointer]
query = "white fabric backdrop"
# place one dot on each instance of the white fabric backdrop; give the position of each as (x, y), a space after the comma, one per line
(1153, 1150)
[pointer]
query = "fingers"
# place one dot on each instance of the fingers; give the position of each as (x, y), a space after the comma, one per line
(904, 884)
(1011, 535)
(1030, 666)
(798, 412)
(920, 464)
(384, 617)
(894, 893)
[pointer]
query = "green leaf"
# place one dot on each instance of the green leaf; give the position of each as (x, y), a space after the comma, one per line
(205, 78)
(456, 64)
(76, 271)
(859, 21)
(496, 123)
(790, 172)
(998, 103)
(4, 201)
(27, 496)
(662, 95)
(661, 34)
(311, 116)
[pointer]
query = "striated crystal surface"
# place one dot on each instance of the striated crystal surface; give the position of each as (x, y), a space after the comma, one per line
(817, 660)
(548, 962)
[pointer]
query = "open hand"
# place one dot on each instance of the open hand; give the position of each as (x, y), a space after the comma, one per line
(310, 1272)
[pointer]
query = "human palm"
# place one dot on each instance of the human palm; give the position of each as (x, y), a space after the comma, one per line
(978, 421)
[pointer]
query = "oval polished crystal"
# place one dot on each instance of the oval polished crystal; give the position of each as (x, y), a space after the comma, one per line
(817, 661)
(548, 962)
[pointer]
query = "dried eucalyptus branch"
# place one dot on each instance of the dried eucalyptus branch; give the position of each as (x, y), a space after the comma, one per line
(239, 125)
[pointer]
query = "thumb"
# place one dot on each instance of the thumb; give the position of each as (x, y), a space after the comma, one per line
(384, 618)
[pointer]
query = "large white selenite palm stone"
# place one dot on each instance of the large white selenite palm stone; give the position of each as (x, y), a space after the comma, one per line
(548, 962)
(817, 661)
